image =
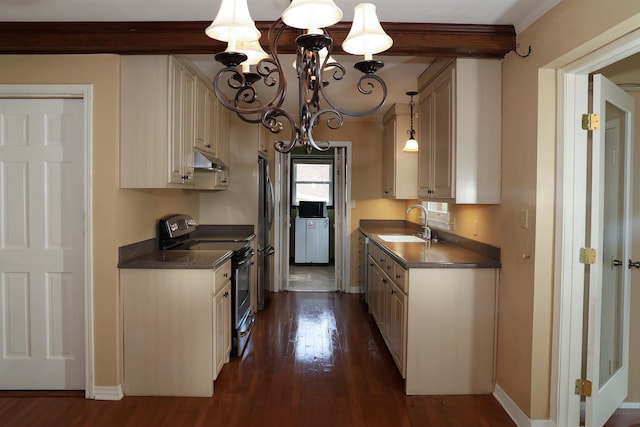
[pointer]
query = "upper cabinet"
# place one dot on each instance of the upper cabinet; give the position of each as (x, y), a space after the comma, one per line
(167, 110)
(460, 131)
(399, 168)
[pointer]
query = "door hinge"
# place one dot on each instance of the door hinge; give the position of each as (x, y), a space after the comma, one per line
(587, 256)
(590, 121)
(583, 387)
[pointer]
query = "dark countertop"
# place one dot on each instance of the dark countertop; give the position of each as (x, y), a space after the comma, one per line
(220, 240)
(178, 259)
(440, 254)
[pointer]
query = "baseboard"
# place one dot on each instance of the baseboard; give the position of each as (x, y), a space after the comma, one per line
(513, 410)
(108, 393)
(630, 405)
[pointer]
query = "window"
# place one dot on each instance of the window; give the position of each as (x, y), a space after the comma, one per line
(312, 179)
(438, 213)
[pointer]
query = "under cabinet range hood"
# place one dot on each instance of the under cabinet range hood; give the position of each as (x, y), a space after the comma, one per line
(204, 160)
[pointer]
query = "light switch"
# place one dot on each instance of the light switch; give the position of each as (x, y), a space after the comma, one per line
(524, 218)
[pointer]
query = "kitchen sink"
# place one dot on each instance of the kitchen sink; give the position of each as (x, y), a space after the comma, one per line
(401, 238)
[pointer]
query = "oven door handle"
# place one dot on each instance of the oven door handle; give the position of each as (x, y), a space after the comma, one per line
(246, 258)
(247, 331)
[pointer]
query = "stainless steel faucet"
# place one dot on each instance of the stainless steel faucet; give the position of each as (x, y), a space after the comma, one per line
(426, 231)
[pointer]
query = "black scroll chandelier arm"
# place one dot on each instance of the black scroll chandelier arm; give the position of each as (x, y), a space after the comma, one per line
(365, 86)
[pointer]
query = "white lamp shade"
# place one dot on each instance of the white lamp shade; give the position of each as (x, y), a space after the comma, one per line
(233, 23)
(253, 50)
(311, 14)
(254, 53)
(366, 36)
(411, 145)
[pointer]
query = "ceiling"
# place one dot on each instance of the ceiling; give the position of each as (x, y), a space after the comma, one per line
(519, 13)
(399, 73)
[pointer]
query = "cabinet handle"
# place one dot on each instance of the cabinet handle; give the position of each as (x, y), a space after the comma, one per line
(226, 294)
(398, 276)
(384, 280)
(208, 145)
(393, 291)
(388, 267)
(634, 264)
(226, 275)
(617, 263)
(185, 177)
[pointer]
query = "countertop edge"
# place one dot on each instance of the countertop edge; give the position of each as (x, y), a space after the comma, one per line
(207, 260)
(480, 261)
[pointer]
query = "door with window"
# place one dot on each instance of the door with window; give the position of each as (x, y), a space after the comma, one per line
(609, 232)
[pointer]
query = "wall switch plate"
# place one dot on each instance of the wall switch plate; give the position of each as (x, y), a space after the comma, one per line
(524, 218)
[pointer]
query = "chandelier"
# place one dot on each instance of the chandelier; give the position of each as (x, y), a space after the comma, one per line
(314, 46)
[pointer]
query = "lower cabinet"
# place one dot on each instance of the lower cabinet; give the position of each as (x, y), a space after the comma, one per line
(388, 302)
(438, 323)
(176, 327)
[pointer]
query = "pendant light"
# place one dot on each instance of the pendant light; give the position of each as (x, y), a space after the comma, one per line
(411, 145)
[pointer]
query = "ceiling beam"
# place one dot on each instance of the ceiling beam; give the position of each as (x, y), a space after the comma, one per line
(409, 39)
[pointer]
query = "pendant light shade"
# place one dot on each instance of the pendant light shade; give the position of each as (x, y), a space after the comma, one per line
(411, 145)
(233, 24)
(366, 36)
(311, 14)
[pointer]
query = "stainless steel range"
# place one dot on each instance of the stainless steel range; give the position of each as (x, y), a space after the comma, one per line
(180, 232)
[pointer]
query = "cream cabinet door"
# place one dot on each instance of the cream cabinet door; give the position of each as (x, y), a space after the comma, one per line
(222, 328)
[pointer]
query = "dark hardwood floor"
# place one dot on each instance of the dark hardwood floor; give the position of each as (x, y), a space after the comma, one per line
(314, 359)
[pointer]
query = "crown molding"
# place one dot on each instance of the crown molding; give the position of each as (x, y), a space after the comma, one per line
(409, 39)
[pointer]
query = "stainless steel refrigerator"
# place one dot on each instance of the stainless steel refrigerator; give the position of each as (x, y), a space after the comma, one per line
(265, 222)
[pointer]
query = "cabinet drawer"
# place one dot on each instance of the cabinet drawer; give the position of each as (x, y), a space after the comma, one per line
(222, 276)
(400, 277)
(379, 257)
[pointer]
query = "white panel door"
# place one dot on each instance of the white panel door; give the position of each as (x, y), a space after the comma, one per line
(607, 364)
(41, 244)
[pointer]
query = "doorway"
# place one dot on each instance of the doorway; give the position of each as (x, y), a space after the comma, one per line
(584, 210)
(45, 275)
(325, 268)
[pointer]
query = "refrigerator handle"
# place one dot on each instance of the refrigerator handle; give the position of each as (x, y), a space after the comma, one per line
(271, 201)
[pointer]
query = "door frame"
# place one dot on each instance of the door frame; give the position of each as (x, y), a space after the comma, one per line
(572, 93)
(283, 231)
(84, 92)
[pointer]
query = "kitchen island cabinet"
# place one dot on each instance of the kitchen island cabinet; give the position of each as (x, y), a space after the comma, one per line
(438, 318)
(176, 329)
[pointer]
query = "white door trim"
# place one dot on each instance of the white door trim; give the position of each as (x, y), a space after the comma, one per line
(84, 92)
(572, 93)
(281, 260)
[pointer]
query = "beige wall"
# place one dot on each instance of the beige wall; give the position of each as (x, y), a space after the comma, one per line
(119, 216)
(366, 177)
(238, 204)
(570, 30)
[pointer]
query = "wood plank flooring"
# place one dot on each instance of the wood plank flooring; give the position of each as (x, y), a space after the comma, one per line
(314, 359)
